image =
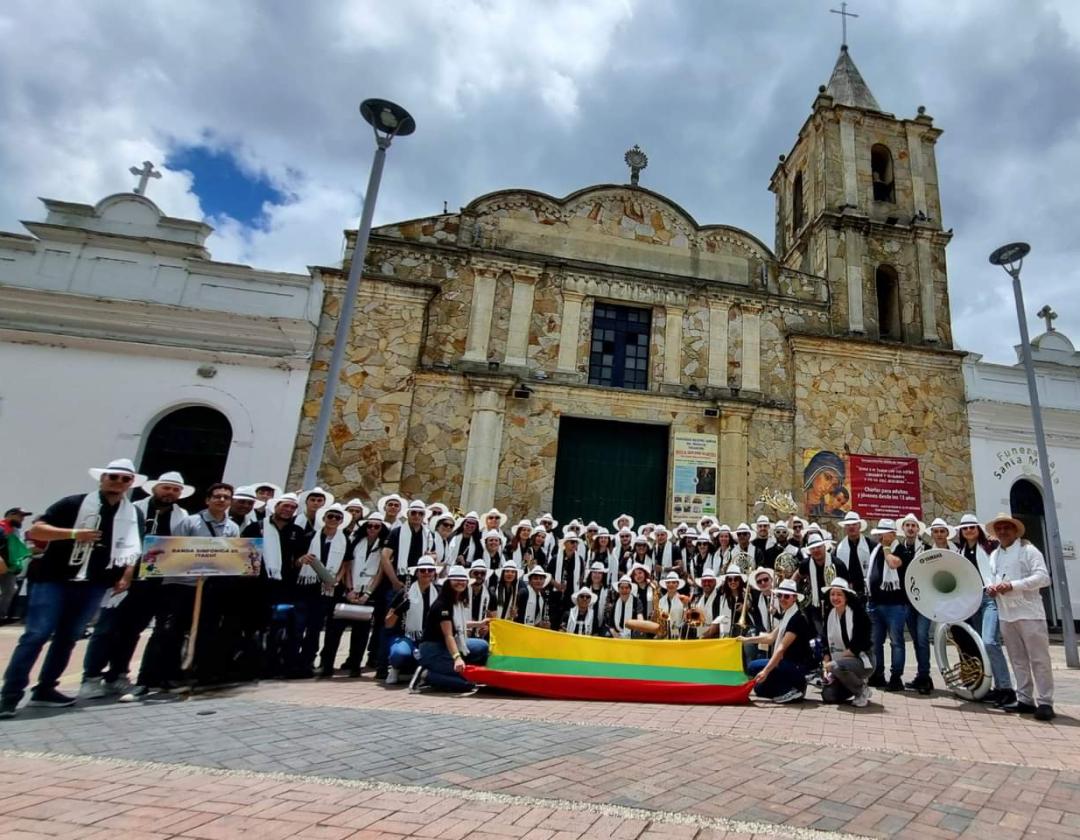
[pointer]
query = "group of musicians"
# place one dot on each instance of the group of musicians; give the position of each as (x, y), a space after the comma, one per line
(416, 587)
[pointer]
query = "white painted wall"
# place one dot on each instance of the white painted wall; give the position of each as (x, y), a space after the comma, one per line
(64, 410)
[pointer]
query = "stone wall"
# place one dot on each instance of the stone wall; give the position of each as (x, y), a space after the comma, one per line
(868, 399)
(365, 447)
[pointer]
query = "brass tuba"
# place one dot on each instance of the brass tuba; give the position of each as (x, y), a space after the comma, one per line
(947, 589)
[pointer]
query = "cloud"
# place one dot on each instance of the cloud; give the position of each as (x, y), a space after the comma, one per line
(548, 96)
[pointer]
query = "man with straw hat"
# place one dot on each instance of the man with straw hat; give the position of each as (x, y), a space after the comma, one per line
(1018, 572)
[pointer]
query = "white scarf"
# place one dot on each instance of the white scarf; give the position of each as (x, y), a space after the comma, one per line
(836, 636)
(365, 564)
(844, 549)
(664, 555)
(784, 621)
(890, 579)
(461, 625)
(727, 609)
(557, 575)
(577, 625)
(599, 607)
(414, 616)
(468, 553)
(484, 597)
(815, 593)
(624, 609)
(404, 546)
(705, 602)
(765, 610)
(440, 547)
(673, 606)
(271, 549)
(176, 515)
(338, 544)
(610, 559)
(126, 547)
(534, 607)
(509, 594)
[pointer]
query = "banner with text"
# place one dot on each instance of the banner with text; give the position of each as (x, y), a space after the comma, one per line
(200, 556)
(693, 480)
(884, 487)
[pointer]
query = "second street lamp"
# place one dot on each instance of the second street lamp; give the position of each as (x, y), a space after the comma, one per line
(1011, 258)
(388, 121)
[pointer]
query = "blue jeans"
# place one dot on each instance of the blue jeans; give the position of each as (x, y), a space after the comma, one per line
(440, 664)
(918, 626)
(58, 611)
(784, 677)
(403, 654)
(888, 619)
(985, 623)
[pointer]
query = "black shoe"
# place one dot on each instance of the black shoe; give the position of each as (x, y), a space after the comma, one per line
(895, 684)
(926, 686)
(877, 680)
(1005, 697)
(1044, 711)
(325, 674)
(8, 707)
(355, 672)
(1020, 708)
(50, 697)
(347, 665)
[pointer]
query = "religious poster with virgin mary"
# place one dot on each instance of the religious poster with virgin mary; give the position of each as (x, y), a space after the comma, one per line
(826, 491)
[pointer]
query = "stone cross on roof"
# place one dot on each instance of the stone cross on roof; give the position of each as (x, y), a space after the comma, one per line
(1049, 315)
(844, 15)
(145, 173)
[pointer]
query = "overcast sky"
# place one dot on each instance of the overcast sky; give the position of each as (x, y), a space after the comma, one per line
(255, 107)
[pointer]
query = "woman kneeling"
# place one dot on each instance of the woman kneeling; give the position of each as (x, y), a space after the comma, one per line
(847, 657)
(446, 647)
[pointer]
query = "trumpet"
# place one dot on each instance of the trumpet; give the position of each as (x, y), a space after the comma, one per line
(80, 555)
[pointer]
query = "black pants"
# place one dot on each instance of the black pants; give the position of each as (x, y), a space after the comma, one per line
(377, 654)
(359, 632)
(117, 631)
(172, 617)
(310, 608)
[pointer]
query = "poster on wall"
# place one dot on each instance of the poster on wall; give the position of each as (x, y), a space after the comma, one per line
(874, 485)
(693, 479)
(884, 487)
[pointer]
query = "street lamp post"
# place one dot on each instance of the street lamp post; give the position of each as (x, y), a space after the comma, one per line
(1011, 258)
(388, 121)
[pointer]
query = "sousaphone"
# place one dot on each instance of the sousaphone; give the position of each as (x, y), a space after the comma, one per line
(947, 589)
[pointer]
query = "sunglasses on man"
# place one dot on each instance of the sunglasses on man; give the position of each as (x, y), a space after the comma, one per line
(126, 478)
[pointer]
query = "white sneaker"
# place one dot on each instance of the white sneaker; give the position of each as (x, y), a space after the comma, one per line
(391, 676)
(789, 697)
(93, 690)
(862, 698)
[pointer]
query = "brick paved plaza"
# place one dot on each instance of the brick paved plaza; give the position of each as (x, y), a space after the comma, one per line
(354, 759)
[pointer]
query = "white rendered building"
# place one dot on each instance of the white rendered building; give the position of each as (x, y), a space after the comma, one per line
(119, 336)
(1004, 457)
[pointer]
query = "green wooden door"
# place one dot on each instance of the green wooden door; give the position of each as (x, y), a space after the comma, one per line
(605, 468)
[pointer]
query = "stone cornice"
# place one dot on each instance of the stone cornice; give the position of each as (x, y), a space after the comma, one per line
(143, 323)
(848, 347)
(623, 290)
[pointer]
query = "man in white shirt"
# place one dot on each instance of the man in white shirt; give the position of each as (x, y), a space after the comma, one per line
(1018, 572)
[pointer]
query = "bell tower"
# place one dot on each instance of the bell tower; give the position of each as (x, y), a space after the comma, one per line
(857, 203)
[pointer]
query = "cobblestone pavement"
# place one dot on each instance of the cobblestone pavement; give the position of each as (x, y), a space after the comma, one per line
(349, 758)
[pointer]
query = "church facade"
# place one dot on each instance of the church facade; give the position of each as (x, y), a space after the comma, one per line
(605, 351)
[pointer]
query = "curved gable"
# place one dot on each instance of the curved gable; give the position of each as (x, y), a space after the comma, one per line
(623, 226)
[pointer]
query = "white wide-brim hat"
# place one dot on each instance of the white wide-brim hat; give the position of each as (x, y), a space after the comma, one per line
(852, 518)
(417, 506)
(495, 512)
(119, 465)
(672, 577)
(640, 540)
(346, 517)
(841, 584)
(457, 573)
(911, 517)
(538, 572)
(393, 497)
(708, 574)
(271, 505)
(585, 593)
(357, 503)
(789, 587)
(316, 491)
(733, 570)
(941, 523)
(627, 516)
(635, 566)
(247, 492)
(761, 570)
(493, 535)
(478, 566)
(547, 517)
(744, 529)
(763, 520)
(524, 523)
(884, 526)
(598, 567)
(174, 478)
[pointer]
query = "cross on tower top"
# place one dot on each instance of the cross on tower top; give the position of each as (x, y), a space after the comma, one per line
(844, 15)
(1049, 315)
(145, 173)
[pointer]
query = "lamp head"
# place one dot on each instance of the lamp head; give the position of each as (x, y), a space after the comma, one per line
(1010, 256)
(387, 117)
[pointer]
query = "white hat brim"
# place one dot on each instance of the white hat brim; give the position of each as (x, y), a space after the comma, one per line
(185, 491)
(138, 481)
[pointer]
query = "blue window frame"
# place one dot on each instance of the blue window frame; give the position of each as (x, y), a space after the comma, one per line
(619, 352)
